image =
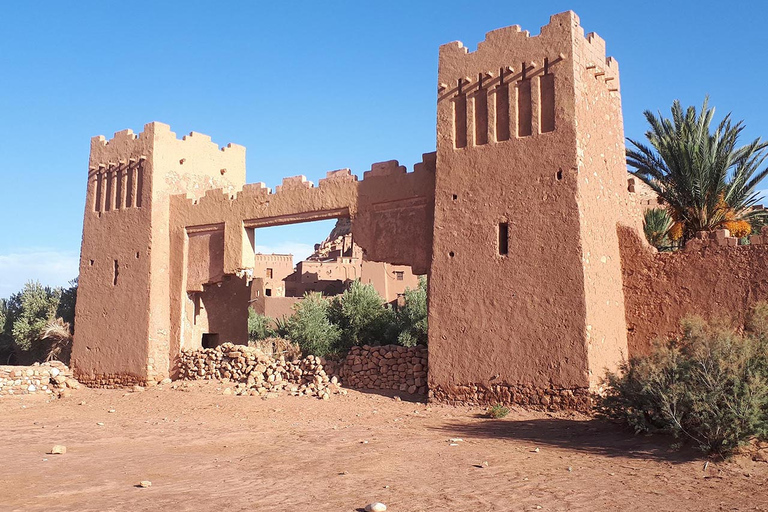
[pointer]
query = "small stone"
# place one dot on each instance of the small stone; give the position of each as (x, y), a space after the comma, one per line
(166, 381)
(111, 410)
(536, 450)
(144, 484)
(375, 507)
(227, 391)
(456, 440)
(138, 389)
(100, 424)
(398, 399)
(58, 449)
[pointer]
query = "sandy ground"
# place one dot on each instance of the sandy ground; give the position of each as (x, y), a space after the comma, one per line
(206, 451)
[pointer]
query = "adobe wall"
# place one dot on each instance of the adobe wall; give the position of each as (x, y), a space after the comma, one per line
(710, 278)
(388, 203)
(513, 155)
(274, 307)
(603, 198)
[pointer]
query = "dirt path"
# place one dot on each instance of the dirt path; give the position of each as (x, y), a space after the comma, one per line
(205, 451)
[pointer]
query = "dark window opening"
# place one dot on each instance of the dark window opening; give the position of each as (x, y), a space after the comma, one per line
(399, 276)
(268, 292)
(560, 174)
(269, 273)
(210, 340)
(451, 254)
(503, 238)
(115, 273)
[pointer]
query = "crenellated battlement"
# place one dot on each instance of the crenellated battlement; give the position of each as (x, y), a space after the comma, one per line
(156, 129)
(294, 184)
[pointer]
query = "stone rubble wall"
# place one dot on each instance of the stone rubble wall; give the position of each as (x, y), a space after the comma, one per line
(259, 374)
(578, 399)
(52, 378)
(387, 367)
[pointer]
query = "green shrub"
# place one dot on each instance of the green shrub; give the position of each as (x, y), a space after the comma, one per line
(362, 317)
(412, 317)
(259, 326)
(709, 386)
(310, 328)
(497, 411)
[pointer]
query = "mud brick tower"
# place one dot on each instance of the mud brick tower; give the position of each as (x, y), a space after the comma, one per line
(526, 301)
(123, 307)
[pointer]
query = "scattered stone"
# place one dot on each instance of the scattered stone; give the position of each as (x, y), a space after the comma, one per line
(375, 507)
(227, 391)
(456, 440)
(100, 424)
(536, 450)
(166, 381)
(58, 449)
(138, 389)
(398, 399)
(144, 484)
(111, 410)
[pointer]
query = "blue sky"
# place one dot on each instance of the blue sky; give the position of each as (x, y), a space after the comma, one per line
(306, 86)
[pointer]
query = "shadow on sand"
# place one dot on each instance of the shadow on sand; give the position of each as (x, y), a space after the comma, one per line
(594, 436)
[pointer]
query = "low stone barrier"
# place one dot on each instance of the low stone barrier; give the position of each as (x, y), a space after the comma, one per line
(259, 374)
(53, 378)
(387, 367)
(553, 399)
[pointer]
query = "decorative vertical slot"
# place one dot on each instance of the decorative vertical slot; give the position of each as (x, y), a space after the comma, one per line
(99, 192)
(460, 118)
(502, 109)
(115, 273)
(481, 113)
(524, 110)
(119, 202)
(109, 190)
(139, 183)
(130, 185)
(503, 238)
(547, 95)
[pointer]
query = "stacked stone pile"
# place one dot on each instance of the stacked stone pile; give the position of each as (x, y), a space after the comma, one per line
(386, 367)
(53, 378)
(259, 374)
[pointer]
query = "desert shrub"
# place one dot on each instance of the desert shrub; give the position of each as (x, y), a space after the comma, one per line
(709, 386)
(497, 411)
(259, 326)
(33, 321)
(310, 328)
(412, 317)
(362, 317)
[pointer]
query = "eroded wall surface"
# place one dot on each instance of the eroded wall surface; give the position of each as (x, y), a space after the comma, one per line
(712, 279)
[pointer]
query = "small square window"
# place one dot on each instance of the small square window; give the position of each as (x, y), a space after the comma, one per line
(269, 273)
(399, 276)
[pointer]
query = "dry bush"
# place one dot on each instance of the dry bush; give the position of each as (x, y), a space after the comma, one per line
(58, 333)
(276, 347)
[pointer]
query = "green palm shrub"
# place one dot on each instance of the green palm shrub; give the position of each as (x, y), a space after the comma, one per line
(706, 179)
(656, 225)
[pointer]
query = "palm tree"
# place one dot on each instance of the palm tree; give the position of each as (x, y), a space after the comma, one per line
(706, 180)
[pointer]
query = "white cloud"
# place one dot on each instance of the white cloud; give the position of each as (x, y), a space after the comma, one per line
(50, 267)
(299, 250)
